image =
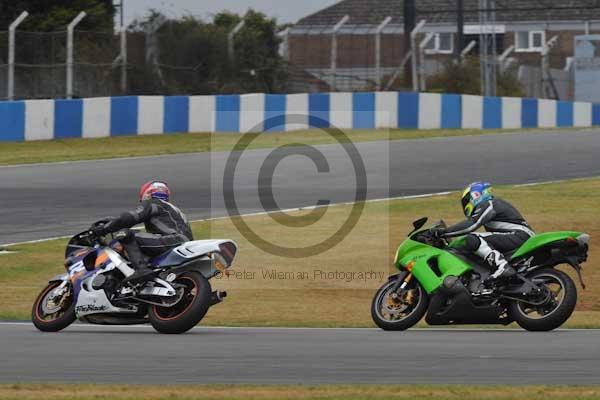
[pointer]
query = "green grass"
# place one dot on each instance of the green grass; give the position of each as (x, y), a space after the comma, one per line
(148, 145)
(300, 392)
(257, 300)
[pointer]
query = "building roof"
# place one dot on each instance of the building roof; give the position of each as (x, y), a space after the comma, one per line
(372, 12)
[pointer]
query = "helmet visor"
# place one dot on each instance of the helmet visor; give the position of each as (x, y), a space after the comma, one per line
(466, 203)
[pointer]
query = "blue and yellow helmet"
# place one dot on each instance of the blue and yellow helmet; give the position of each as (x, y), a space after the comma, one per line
(475, 194)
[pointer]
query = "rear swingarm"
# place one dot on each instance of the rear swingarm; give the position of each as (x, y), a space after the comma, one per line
(522, 289)
(524, 300)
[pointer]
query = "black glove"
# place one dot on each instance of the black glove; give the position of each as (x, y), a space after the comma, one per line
(102, 222)
(438, 232)
(98, 230)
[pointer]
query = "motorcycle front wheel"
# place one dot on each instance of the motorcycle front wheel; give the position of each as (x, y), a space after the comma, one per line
(561, 295)
(53, 309)
(402, 311)
(188, 311)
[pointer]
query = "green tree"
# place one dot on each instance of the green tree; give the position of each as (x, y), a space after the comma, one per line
(55, 15)
(465, 78)
(190, 56)
(257, 61)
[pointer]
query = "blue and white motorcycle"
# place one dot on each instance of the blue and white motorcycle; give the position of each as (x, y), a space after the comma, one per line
(174, 300)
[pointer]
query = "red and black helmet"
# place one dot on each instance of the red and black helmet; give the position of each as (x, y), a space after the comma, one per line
(155, 190)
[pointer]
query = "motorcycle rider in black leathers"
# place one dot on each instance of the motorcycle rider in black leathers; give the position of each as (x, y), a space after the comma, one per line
(166, 227)
(506, 228)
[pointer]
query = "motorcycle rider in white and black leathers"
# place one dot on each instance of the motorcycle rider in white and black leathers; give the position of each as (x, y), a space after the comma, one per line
(506, 229)
(166, 227)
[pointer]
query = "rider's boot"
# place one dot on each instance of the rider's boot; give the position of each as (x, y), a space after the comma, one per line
(136, 258)
(503, 269)
(496, 260)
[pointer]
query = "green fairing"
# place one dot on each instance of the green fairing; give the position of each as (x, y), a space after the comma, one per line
(449, 264)
(421, 253)
(458, 242)
(543, 239)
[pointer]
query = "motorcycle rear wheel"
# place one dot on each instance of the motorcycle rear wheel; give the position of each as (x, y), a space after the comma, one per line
(403, 312)
(190, 310)
(556, 311)
(52, 317)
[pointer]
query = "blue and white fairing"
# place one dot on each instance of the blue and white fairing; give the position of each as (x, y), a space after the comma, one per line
(101, 260)
(197, 250)
(89, 300)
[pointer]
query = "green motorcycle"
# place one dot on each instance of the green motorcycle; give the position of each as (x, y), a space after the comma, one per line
(437, 278)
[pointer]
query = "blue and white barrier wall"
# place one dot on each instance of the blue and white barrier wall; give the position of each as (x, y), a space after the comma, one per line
(146, 115)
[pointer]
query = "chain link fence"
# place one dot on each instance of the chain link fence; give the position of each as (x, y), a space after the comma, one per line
(361, 64)
(312, 59)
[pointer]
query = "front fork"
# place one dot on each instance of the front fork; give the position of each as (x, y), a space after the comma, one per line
(401, 283)
(57, 296)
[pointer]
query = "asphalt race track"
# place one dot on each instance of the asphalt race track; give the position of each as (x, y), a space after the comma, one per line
(41, 201)
(138, 355)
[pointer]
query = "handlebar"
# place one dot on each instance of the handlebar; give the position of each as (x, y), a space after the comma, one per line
(427, 237)
(90, 237)
(102, 221)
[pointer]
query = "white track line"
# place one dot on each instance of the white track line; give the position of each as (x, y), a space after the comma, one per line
(95, 160)
(287, 210)
(554, 181)
(299, 328)
(36, 241)
(417, 196)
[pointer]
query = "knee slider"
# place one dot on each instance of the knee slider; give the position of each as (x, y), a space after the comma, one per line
(472, 242)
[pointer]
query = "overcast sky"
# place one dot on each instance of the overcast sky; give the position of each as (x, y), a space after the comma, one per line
(284, 10)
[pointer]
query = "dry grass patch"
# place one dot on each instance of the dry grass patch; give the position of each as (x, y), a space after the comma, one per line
(148, 145)
(331, 392)
(327, 289)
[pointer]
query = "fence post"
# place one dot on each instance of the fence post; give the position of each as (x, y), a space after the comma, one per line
(502, 58)
(547, 79)
(11, 54)
(422, 45)
(334, 32)
(284, 47)
(378, 49)
(231, 36)
(70, 29)
(123, 61)
(415, 53)
(487, 47)
(467, 50)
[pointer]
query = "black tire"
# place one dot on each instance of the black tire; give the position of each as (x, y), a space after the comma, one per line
(558, 315)
(415, 314)
(56, 321)
(190, 310)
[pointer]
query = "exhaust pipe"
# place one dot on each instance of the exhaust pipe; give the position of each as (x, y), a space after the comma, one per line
(217, 296)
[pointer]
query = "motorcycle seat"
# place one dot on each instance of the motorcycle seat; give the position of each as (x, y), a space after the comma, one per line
(163, 259)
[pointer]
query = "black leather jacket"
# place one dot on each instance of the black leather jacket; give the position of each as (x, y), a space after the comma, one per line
(495, 215)
(159, 217)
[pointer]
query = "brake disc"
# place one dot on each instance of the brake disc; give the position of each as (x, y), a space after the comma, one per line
(398, 305)
(54, 301)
